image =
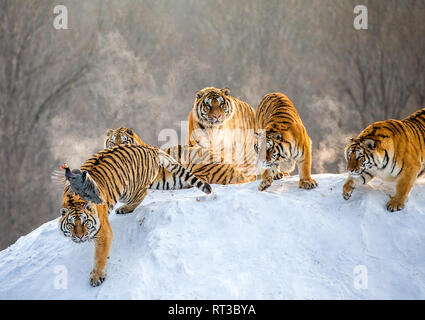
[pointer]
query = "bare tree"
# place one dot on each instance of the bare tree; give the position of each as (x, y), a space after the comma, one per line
(36, 76)
(377, 70)
(138, 64)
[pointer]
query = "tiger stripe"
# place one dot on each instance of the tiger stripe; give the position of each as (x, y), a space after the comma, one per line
(282, 142)
(121, 173)
(393, 150)
(203, 163)
(226, 125)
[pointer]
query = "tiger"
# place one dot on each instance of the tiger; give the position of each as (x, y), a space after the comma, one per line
(203, 163)
(224, 123)
(282, 142)
(122, 135)
(393, 150)
(121, 173)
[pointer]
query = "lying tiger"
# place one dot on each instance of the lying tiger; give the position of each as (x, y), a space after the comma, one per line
(392, 150)
(282, 142)
(203, 163)
(122, 173)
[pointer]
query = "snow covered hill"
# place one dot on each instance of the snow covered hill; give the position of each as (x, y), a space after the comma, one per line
(286, 243)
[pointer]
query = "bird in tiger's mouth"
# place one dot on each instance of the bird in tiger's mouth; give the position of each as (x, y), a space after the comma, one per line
(78, 219)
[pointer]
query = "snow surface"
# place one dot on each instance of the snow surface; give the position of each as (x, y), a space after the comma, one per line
(285, 243)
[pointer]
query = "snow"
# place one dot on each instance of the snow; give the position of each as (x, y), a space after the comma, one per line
(285, 243)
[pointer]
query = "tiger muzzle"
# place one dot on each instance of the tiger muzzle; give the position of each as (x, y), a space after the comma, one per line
(353, 165)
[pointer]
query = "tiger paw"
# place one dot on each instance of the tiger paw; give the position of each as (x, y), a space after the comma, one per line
(279, 175)
(395, 204)
(264, 185)
(347, 194)
(347, 190)
(124, 210)
(96, 278)
(308, 184)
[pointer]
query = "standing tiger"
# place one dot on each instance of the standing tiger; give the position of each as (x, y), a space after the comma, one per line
(392, 150)
(225, 124)
(282, 142)
(122, 173)
(201, 162)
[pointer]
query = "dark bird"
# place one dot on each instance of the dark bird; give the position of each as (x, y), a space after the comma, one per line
(82, 184)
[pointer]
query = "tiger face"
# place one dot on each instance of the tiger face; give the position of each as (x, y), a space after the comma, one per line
(122, 135)
(79, 220)
(213, 106)
(365, 155)
(270, 148)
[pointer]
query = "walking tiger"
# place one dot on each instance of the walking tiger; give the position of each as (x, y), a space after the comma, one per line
(392, 150)
(122, 173)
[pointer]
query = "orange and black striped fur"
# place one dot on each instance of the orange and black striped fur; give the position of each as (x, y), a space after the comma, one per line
(282, 142)
(392, 150)
(122, 173)
(84, 221)
(201, 162)
(122, 135)
(225, 124)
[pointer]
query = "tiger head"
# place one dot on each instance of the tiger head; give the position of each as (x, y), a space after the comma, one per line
(79, 219)
(213, 106)
(121, 135)
(270, 147)
(369, 150)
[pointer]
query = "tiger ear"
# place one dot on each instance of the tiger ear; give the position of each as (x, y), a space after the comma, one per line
(370, 144)
(348, 140)
(109, 132)
(63, 211)
(225, 91)
(198, 94)
(130, 131)
(277, 136)
(259, 133)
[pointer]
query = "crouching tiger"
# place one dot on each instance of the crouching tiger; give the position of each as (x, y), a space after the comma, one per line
(282, 142)
(122, 173)
(392, 150)
(203, 163)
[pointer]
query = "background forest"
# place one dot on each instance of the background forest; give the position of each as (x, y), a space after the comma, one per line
(139, 63)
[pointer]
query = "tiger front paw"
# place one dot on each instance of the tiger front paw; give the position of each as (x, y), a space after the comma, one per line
(395, 204)
(264, 185)
(308, 184)
(96, 278)
(124, 210)
(347, 191)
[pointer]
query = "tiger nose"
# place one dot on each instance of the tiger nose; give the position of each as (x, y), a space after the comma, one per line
(217, 116)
